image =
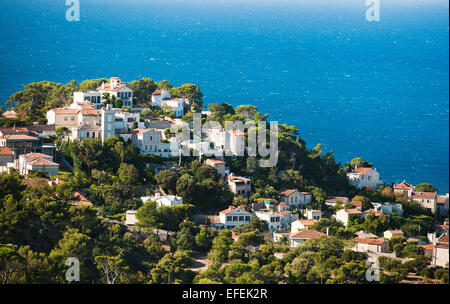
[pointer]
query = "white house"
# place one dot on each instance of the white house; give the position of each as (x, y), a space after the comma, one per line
(232, 217)
(404, 188)
(295, 198)
(440, 255)
(362, 177)
(239, 185)
(371, 245)
(301, 224)
(162, 99)
(442, 205)
(148, 141)
(116, 88)
(312, 214)
(158, 96)
(389, 208)
(93, 97)
(276, 220)
(344, 215)
(35, 162)
(217, 164)
(299, 237)
(388, 234)
(428, 200)
(163, 200)
(130, 217)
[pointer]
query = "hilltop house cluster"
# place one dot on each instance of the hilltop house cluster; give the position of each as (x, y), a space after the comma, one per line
(290, 219)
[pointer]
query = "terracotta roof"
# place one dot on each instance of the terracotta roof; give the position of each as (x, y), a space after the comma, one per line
(376, 212)
(215, 161)
(108, 87)
(403, 185)
(232, 177)
(288, 192)
(20, 137)
(6, 151)
(42, 162)
(157, 92)
(357, 204)
(307, 234)
(229, 209)
(82, 200)
(369, 241)
(353, 211)
(35, 155)
(361, 170)
(441, 199)
(65, 111)
(396, 232)
(427, 246)
(12, 130)
(306, 222)
(236, 132)
(424, 195)
(91, 112)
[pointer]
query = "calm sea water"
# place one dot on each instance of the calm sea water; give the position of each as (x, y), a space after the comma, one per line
(378, 90)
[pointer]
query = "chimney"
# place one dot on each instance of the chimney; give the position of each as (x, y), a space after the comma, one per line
(327, 230)
(103, 85)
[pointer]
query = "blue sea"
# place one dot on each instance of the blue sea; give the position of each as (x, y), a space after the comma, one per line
(377, 90)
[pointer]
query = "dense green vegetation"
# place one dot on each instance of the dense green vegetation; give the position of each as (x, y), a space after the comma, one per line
(40, 227)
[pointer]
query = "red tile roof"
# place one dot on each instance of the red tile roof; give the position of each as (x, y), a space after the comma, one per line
(396, 232)
(307, 234)
(361, 170)
(157, 92)
(427, 246)
(42, 162)
(229, 209)
(424, 195)
(369, 241)
(357, 204)
(108, 87)
(306, 222)
(82, 200)
(288, 192)
(65, 111)
(6, 151)
(403, 185)
(215, 161)
(232, 177)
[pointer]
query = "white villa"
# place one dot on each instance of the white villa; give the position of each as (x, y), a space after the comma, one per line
(294, 198)
(362, 177)
(301, 224)
(149, 142)
(34, 162)
(232, 217)
(116, 88)
(299, 237)
(389, 208)
(163, 200)
(162, 99)
(344, 215)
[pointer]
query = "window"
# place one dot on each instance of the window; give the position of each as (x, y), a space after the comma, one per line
(229, 218)
(66, 118)
(241, 218)
(235, 218)
(72, 118)
(247, 218)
